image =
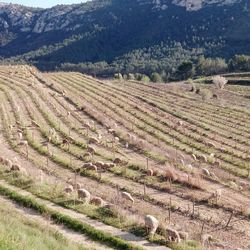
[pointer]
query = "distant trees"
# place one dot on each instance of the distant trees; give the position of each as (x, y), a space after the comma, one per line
(211, 66)
(156, 77)
(185, 70)
(240, 63)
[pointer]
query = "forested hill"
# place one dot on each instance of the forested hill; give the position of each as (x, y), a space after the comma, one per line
(125, 35)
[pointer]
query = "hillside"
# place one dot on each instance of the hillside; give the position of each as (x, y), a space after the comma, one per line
(183, 157)
(122, 34)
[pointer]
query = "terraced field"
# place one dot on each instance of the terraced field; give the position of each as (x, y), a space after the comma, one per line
(184, 160)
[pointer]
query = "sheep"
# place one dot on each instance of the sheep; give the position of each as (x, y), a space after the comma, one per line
(150, 172)
(35, 124)
(127, 196)
(173, 235)
(216, 194)
(151, 223)
(90, 166)
(83, 194)
(94, 140)
(15, 167)
(20, 136)
(97, 201)
(211, 145)
(117, 161)
(183, 235)
(109, 165)
(203, 158)
(212, 155)
(8, 163)
(194, 157)
(23, 143)
(180, 123)
(69, 189)
(216, 163)
(205, 172)
(100, 164)
(91, 150)
(1, 159)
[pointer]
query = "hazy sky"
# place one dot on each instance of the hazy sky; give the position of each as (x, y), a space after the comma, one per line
(42, 3)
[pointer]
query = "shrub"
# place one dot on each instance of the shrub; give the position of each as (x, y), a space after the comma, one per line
(219, 81)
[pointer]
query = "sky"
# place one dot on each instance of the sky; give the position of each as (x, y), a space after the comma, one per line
(42, 3)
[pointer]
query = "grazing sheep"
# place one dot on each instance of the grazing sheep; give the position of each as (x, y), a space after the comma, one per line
(183, 235)
(1, 159)
(20, 136)
(94, 140)
(173, 235)
(216, 194)
(205, 172)
(150, 172)
(69, 189)
(23, 143)
(109, 165)
(212, 155)
(190, 167)
(100, 164)
(90, 166)
(8, 163)
(170, 174)
(91, 150)
(35, 124)
(206, 238)
(180, 123)
(151, 223)
(15, 167)
(203, 158)
(216, 163)
(117, 161)
(127, 196)
(83, 194)
(211, 144)
(97, 201)
(111, 131)
(87, 154)
(194, 157)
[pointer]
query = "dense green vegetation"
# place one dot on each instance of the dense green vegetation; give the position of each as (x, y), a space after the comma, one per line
(105, 40)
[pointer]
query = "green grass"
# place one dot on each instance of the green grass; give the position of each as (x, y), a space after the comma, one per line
(18, 232)
(69, 222)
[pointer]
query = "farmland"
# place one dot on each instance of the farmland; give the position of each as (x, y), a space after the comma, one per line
(183, 157)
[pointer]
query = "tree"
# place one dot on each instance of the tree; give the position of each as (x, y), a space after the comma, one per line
(240, 63)
(185, 71)
(219, 81)
(156, 77)
(211, 66)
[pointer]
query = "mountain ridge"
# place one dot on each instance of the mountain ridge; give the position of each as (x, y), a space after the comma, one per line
(105, 30)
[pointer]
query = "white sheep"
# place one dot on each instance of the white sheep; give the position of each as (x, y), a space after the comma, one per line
(69, 189)
(127, 196)
(151, 223)
(83, 194)
(23, 143)
(173, 235)
(8, 163)
(205, 172)
(98, 201)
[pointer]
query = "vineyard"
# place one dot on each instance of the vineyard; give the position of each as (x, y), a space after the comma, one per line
(137, 149)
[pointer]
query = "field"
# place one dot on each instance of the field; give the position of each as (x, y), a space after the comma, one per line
(183, 157)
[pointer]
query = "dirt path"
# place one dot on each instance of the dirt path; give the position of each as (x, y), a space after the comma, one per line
(31, 215)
